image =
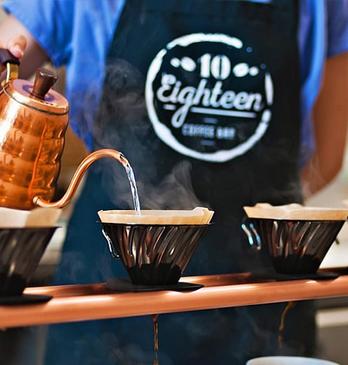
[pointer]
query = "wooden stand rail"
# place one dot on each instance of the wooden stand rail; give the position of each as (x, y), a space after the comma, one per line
(90, 302)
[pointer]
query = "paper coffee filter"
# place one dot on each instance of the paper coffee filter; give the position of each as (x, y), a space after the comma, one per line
(38, 217)
(295, 211)
(196, 216)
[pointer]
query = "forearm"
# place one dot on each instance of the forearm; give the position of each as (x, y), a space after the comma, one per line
(330, 127)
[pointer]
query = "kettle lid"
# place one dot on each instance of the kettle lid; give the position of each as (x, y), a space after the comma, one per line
(38, 95)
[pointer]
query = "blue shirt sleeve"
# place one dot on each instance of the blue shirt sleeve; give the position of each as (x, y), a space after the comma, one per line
(337, 27)
(49, 21)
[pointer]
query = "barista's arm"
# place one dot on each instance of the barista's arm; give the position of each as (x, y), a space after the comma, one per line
(16, 38)
(330, 126)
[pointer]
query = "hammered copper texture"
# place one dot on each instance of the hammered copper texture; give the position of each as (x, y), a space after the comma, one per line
(21, 250)
(31, 145)
(153, 254)
(295, 246)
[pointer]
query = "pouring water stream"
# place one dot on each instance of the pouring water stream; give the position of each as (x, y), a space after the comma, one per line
(132, 183)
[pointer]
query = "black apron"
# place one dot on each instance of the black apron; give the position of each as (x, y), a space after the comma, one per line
(202, 97)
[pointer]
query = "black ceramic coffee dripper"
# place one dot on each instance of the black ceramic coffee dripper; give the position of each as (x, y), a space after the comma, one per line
(153, 254)
(296, 238)
(295, 246)
(21, 250)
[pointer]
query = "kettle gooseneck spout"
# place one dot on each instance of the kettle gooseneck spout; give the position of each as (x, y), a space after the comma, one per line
(79, 173)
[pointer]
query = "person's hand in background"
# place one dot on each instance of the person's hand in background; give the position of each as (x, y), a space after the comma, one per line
(16, 38)
(330, 127)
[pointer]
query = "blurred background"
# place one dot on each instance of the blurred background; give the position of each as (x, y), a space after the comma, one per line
(332, 315)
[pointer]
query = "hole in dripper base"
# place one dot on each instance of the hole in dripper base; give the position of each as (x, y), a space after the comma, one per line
(125, 285)
(295, 264)
(11, 285)
(11, 291)
(154, 274)
(24, 299)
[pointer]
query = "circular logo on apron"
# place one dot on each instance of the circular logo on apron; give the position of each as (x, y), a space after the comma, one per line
(208, 96)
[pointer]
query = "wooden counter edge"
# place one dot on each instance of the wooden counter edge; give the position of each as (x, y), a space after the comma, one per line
(72, 308)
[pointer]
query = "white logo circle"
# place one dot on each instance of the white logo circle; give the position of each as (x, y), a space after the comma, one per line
(208, 96)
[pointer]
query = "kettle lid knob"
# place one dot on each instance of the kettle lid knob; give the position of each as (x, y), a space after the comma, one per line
(44, 80)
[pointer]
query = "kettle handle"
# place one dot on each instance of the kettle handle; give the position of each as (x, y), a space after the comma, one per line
(251, 233)
(11, 62)
(7, 57)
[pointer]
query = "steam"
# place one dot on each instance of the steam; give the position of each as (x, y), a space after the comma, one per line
(122, 103)
(175, 191)
(312, 179)
(283, 186)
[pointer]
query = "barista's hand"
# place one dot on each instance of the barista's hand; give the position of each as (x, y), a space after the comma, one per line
(19, 41)
(17, 46)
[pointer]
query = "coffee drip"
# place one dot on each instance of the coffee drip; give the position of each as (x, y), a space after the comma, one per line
(155, 339)
(281, 328)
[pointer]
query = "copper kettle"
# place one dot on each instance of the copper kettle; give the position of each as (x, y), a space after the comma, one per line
(33, 121)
